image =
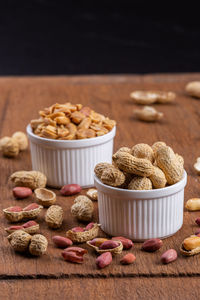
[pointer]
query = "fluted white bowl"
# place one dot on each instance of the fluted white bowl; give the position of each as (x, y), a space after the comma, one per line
(70, 161)
(141, 215)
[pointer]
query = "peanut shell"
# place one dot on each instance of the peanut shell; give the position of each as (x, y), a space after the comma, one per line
(133, 165)
(117, 250)
(158, 178)
(45, 197)
(19, 240)
(140, 183)
(31, 179)
(81, 237)
(143, 151)
(54, 216)
(100, 167)
(38, 245)
(82, 208)
(113, 177)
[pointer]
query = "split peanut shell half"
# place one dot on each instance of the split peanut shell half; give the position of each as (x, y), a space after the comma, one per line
(45, 197)
(116, 250)
(189, 252)
(84, 236)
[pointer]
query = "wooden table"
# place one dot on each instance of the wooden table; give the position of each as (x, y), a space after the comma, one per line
(23, 277)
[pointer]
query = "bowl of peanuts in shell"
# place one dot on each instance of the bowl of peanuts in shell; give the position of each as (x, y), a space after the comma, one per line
(67, 141)
(141, 194)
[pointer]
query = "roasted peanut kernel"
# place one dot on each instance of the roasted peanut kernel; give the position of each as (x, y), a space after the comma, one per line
(104, 260)
(191, 242)
(169, 256)
(152, 245)
(193, 204)
(128, 259)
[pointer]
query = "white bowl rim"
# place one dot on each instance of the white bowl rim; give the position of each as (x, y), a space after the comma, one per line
(71, 143)
(141, 194)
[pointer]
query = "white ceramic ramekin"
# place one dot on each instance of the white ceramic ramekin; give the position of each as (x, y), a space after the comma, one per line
(70, 161)
(141, 215)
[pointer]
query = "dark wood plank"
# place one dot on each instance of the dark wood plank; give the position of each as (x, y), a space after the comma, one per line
(108, 95)
(121, 288)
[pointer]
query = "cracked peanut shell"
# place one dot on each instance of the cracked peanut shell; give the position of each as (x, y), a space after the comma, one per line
(117, 250)
(45, 197)
(84, 236)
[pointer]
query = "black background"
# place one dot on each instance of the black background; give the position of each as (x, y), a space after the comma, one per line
(98, 37)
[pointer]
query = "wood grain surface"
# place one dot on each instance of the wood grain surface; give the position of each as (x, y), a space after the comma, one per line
(20, 100)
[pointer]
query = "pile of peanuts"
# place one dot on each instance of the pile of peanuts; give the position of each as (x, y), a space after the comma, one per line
(71, 121)
(143, 167)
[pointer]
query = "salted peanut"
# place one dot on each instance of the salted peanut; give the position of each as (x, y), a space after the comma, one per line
(150, 97)
(10, 147)
(54, 216)
(109, 124)
(158, 178)
(77, 117)
(143, 151)
(49, 132)
(167, 161)
(114, 247)
(35, 123)
(113, 177)
(193, 89)
(31, 179)
(197, 166)
(96, 117)
(100, 167)
(133, 165)
(92, 194)
(38, 245)
(85, 123)
(140, 183)
(47, 121)
(85, 133)
(148, 114)
(22, 140)
(83, 236)
(4, 141)
(86, 110)
(157, 145)
(62, 133)
(19, 240)
(72, 131)
(193, 204)
(102, 131)
(82, 208)
(45, 197)
(62, 120)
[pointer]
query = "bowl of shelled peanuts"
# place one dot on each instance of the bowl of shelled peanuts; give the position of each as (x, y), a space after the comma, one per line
(67, 141)
(141, 194)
